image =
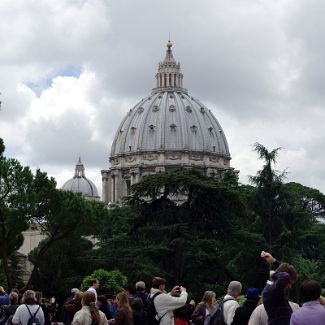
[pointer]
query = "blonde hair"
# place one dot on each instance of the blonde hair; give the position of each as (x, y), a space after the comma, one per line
(29, 297)
(208, 298)
(13, 298)
(123, 302)
(78, 296)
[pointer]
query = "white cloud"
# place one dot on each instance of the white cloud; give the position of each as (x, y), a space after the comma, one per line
(257, 64)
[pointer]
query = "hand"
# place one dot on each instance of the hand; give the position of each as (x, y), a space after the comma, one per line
(192, 302)
(183, 289)
(268, 257)
(176, 290)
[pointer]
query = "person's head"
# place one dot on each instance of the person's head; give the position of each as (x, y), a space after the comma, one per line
(15, 290)
(78, 296)
(2, 290)
(13, 298)
(310, 290)
(38, 296)
(158, 283)
(113, 300)
(234, 289)
(94, 283)
(74, 291)
(285, 267)
(140, 286)
(123, 302)
(89, 300)
(103, 301)
(209, 298)
(29, 297)
(252, 294)
(128, 289)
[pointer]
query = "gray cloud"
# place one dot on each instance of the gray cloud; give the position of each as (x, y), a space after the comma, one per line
(257, 64)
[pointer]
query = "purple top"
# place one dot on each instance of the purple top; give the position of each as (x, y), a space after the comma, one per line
(311, 312)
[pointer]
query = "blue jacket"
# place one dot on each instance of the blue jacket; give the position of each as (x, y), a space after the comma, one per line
(275, 300)
(4, 299)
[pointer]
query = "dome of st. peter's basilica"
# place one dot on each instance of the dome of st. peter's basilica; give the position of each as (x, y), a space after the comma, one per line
(167, 130)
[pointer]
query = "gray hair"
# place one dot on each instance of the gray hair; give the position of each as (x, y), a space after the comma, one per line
(74, 290)
(234, 288)
(140, 286)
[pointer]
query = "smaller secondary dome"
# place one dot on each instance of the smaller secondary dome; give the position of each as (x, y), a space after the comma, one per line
(80, 184)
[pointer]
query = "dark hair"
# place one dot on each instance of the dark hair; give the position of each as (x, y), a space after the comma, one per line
(38, 296)
(89, 299)
(129, 287)
(157, 282)
(310, 290)
(285, 267)
(93, 281)
(103, 300)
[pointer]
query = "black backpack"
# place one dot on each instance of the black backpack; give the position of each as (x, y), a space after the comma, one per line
(151, 312)
(33, 320)
(216, 317)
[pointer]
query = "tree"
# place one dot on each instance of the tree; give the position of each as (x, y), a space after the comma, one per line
(177, 223)
(16, 205)
(27, 199)
(62, 266)
(268, 190)
(110, 281)
(63, 215)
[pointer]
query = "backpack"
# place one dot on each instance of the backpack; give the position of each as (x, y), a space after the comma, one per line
(151, 312)
(216, 316)
(33, 320)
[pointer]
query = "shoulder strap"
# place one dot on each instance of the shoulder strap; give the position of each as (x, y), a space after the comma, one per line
(228, 299)
(37, 310)
(155, 295)
(29, 311)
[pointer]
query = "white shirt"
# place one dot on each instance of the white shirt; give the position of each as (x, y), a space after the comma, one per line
(22, 315)
(165, 304)
(259, 315)
(94, 291)
(229, 309)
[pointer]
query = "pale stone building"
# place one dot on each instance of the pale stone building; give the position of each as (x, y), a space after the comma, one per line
(79, 183)
(167, 130)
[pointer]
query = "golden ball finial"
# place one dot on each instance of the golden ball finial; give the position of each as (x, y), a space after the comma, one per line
(169, 44)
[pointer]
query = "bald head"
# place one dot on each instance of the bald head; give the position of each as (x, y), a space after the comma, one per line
(234, 289)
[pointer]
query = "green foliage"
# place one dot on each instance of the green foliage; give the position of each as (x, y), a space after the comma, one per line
(111, 282)
(62, 266)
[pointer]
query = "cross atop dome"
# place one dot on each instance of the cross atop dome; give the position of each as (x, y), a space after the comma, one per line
(169, 72)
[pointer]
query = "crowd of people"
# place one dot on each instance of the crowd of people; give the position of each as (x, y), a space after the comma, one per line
(137, 307)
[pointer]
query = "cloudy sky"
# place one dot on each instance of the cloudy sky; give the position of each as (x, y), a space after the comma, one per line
(71, 69)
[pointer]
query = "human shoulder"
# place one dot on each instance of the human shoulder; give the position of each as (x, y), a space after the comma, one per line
(103, 319)
(293, 305)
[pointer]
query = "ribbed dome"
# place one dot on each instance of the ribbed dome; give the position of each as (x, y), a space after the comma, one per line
(80, 184)
(169, 120)
(167, 130)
